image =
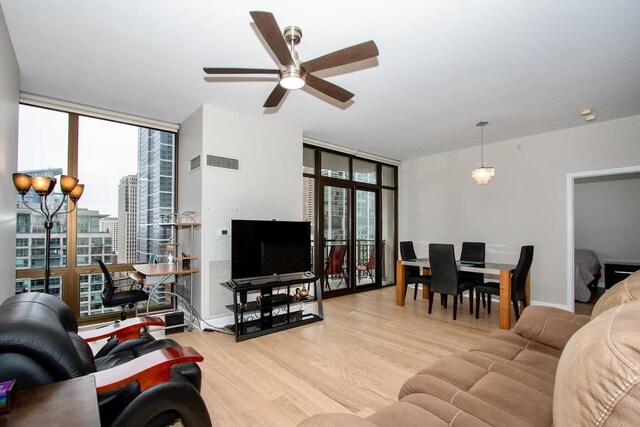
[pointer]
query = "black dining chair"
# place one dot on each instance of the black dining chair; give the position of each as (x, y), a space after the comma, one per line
(518, 283)
(412, 273)
(444, 277)
(472, 252)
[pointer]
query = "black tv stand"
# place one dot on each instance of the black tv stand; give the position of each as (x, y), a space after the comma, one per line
(275, 306)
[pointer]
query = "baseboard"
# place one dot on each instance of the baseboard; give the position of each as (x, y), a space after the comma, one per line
(550, 304)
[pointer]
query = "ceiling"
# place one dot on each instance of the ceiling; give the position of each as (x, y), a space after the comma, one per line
(527, 67)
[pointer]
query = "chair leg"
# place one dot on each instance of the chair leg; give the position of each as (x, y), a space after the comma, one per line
(460, 297)
(446, 299)
(477, 305)
(442, 298)
(415, 291)
(470, 301)
(488, 303)
(516, 309)
(430, 301)
(455, 307)
(484, 302)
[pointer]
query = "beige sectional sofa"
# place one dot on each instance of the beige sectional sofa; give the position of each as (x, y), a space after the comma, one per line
(554, 368)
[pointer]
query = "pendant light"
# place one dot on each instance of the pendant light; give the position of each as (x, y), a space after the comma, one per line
(483, 174)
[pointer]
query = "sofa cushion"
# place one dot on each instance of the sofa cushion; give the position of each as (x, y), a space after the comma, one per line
(599, 372)
(549, 326)
(624, 291)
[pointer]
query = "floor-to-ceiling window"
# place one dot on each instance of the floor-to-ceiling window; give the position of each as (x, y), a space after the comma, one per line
(129, 177)
(351, 203)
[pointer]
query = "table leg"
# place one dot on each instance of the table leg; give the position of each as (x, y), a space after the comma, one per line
(505, 299)
(425, 288)
(400, 283)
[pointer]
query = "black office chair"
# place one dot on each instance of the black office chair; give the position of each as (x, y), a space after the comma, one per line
(112, 297)
(412, 273)
(518, 283)
(474, 252)
(444, 277)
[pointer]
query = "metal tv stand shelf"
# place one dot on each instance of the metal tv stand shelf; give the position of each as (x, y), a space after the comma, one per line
(275, 308)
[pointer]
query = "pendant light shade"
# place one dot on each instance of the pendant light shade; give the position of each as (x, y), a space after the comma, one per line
(483, 174)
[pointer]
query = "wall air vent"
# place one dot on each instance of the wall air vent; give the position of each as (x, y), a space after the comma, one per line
(223, 162)
(194, 163)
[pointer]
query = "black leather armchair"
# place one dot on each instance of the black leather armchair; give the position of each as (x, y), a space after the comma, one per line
(38, 346)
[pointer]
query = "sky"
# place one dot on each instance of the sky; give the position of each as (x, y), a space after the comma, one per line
(107, 152)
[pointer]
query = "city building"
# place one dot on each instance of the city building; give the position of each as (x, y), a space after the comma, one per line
(126, 246)
(155, 191)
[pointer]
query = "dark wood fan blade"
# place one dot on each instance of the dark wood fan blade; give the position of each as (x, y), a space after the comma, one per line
(329, 89)
(276, 96)
(210, 70)
(344, 56)
(269, 29)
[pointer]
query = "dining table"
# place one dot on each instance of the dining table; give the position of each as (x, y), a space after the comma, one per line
(501, 270)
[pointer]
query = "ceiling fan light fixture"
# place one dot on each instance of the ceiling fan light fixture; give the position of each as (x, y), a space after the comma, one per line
(292, 78)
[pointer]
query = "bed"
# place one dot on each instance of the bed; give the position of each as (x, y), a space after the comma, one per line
(587, 273)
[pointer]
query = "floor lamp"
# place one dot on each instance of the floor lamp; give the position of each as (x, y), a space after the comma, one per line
(43, 187)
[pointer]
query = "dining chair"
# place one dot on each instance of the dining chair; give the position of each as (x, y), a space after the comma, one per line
(444, 276)
(474, 252)
(518, 283)
(412, 273)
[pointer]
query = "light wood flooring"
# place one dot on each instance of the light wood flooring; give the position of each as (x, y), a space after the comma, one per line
(354, 361)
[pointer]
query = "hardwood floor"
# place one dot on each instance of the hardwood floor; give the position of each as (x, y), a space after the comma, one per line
(354, 361)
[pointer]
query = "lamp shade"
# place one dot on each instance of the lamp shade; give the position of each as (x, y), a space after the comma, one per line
(67, 183)
(483, 174)
(76, 193)
(52, 185)
(22, 181)
(41, 185)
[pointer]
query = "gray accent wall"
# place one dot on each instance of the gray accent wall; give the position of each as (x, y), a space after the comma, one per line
(607, 215)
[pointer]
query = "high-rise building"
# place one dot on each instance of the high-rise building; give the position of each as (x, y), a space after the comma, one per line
(155, 190)
(110, 225)
(127, 247)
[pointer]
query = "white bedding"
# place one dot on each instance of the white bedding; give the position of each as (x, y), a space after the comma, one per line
(586, 265)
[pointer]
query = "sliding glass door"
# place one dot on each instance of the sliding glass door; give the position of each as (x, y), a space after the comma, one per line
(336, 247)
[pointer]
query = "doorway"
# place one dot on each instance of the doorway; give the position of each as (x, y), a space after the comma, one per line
(585, 213)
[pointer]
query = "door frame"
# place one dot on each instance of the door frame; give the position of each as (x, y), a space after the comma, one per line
(571, 177)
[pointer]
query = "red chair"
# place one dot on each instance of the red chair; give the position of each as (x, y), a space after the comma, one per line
(334, 264)
(370, 266)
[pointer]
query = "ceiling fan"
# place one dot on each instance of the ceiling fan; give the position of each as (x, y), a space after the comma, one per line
(293, 73)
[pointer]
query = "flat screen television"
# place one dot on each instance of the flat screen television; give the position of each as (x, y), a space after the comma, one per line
(265, 248)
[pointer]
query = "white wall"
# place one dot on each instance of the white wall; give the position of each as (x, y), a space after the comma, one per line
(525, 203)
(190, 197)
(9, 97)
(606, 215)
(267, 186)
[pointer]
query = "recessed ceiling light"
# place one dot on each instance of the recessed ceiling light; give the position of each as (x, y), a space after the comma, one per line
(586, 111)
(590, 117)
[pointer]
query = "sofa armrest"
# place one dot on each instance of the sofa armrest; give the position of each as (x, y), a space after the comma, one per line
(549, 326)
(148, 370)
(123, 330)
